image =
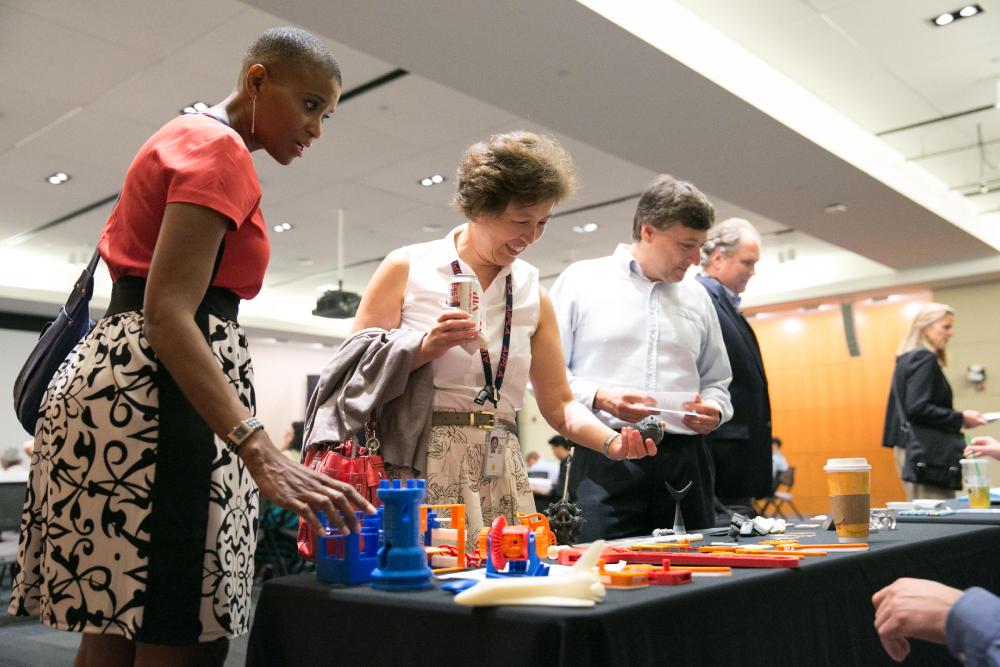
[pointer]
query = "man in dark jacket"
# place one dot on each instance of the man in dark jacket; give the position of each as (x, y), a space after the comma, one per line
(741, 448)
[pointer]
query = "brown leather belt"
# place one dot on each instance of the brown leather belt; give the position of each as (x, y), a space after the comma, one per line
(484, 419)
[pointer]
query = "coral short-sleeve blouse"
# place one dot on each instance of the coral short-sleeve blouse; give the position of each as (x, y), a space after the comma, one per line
(194, 159)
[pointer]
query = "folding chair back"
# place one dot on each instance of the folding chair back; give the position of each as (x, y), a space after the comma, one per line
(786, 478)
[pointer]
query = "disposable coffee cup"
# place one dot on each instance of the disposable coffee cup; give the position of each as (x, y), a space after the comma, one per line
(976, 479)
(849, 483)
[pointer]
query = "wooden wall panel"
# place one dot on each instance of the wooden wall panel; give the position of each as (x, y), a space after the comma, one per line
(827, 404)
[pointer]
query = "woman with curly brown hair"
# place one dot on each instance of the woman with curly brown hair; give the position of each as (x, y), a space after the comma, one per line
(507, 187)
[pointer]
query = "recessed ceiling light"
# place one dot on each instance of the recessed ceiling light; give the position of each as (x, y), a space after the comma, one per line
(835, 209)
(57, 178)
(283, 227)
(586, 229)
(304, 261)
(430, 229)
(428, 181)
(948, 18)
(195, 107)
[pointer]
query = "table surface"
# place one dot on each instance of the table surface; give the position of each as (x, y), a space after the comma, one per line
(971, 517)
(817, 614)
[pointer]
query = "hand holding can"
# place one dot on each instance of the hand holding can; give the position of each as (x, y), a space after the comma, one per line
(464, 293)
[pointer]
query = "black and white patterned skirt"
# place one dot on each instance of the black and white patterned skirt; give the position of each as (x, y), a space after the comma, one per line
(138, 521)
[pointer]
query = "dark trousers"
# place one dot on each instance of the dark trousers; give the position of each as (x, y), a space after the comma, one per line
(628, 498)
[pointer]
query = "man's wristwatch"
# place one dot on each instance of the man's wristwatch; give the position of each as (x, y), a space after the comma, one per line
(243, 430)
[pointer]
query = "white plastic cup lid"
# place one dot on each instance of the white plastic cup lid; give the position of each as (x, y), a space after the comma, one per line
(847, 465)
(983, 462)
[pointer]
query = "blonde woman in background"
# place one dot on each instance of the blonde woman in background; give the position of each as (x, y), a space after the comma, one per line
(926, 395)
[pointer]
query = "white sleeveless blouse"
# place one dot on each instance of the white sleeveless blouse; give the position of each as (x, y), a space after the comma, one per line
(458, 375)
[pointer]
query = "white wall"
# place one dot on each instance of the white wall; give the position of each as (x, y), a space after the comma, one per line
(532, 430)
(16, 346)
(280, 370)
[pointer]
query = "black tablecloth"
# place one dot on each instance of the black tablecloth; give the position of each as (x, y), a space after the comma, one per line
(980, 518)
(820, 614)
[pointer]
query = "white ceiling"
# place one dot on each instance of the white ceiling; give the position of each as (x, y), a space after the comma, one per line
(85, 83)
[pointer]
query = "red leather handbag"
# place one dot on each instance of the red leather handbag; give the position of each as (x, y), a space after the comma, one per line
(359, 465)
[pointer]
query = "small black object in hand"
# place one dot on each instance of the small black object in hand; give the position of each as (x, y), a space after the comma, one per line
(651, 428)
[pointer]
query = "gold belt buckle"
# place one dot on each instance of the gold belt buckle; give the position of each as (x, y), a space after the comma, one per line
(486, 427)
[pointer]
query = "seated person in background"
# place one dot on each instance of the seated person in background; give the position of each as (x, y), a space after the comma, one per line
(293, 441)
(778, 461)
(967, 623)
(542, 474)
(12, 466)
(277, 550)
(543, 467)
(983, 446)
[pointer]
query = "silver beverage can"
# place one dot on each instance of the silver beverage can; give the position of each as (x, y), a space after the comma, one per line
(463, 293)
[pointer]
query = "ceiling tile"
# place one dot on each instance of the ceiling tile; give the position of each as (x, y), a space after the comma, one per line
(74, 68)
(221, 49)
(422, 112)
(150, 28)
(900, 35)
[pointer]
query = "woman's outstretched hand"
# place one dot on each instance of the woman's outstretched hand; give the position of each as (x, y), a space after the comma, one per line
(301, 490)
(983, 446)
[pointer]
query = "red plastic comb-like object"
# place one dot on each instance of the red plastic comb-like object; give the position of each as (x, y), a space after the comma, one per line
(496, 542)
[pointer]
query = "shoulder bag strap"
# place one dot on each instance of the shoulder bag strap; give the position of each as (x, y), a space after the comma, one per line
(218, 261)
(372, 443)
(94, 261)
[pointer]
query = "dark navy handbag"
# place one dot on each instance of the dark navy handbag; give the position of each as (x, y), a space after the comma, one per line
(58, 339)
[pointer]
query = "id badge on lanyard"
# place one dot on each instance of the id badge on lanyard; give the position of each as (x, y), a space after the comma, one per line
(495, 452)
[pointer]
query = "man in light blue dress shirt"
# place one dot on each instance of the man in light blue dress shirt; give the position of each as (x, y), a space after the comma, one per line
(631, 324)
(968, 623)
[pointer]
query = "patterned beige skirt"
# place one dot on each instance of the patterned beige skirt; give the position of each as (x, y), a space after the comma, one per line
(455, 475)
(138, 521)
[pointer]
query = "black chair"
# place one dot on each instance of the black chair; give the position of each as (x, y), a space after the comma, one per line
(277, 554)
(11, 505)
(771, 506)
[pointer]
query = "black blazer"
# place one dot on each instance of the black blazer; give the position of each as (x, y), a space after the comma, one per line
(927, 397)
(741, 448)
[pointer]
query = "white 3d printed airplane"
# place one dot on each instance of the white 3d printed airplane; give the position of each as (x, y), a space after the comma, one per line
(580, 587)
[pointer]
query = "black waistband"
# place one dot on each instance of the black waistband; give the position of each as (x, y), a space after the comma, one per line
(676, 439)
(129, 292)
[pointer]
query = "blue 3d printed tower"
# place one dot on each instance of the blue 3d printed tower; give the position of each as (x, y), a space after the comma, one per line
(348, 559)
(402, 561)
